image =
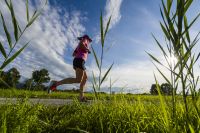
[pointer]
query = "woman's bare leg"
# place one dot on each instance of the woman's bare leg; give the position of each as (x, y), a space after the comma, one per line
(82, 84)
(81, 77)
(78, 79)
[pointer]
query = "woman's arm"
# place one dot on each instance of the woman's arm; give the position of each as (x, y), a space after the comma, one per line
(74, 53)
(82, 46)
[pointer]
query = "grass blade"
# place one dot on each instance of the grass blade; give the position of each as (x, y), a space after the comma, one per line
(167, 28)
(187, 32)
(165, 31)
(14, 21)
(13, 57)
(184, 59)
(196, 39)
(165, 10)
(190, 68)
(191, 129)
(106, 73)
(108, 23)
(94, 79)
(169, 4)
(95, 91)
(187, 5)
(197, 58)
(101, 26)
(184, 43)
(163, 18)
(6, 31)
(94, 85)
(159, 45)
(8, 5)
(5, 83)
(173, 31)
(19, 28)
(163, 75)
(27, 11)
(34, 13)
(96, 59)
(154, 58)
(34, 17)
(191, 24)
(163, 104)
(2, 50)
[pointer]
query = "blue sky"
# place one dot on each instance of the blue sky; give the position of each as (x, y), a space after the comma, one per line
(54, 38)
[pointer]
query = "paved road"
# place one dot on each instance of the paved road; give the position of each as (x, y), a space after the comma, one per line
(40, 101)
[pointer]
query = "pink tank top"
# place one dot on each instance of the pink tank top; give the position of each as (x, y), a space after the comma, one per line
(81, 53)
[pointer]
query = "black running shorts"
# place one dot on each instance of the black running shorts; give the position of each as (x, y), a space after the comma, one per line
(79, 63)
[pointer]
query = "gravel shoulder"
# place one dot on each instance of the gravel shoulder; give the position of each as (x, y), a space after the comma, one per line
(38, 101)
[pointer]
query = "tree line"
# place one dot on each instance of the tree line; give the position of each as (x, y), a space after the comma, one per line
(165, 89)
(10, 79)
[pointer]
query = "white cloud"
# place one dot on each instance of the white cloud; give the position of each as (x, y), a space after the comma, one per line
(112, 8)
(137, 76)
(51, 36)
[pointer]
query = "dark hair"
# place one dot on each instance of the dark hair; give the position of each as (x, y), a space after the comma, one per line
(85, 36)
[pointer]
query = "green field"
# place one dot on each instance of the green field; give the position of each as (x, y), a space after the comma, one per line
(120, 113)
(14, 93)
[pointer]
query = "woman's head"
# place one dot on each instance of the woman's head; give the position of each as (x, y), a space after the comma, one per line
(85, 39)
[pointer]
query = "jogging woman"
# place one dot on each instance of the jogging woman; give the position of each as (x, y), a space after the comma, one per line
(80, 56)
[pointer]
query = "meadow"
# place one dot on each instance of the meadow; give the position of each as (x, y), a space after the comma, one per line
(120, 113)
(16, 93)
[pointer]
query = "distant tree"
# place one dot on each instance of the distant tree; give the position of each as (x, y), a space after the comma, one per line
(20, 85)
(13, 77)
(9, 78)
(3, 83)
(39, 77)
(28, 84)
(153, 90)
(166, 89)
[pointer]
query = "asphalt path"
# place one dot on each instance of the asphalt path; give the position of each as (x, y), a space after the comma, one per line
(39, 101)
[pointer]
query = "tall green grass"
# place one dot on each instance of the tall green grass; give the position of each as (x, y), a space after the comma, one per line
(15, 93)
(179, 45)
(115, 116)
(97, 82)
(13, 39)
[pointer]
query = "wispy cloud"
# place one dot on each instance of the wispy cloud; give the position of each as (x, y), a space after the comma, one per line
(133, 76)
(52, 35)
(112, 8)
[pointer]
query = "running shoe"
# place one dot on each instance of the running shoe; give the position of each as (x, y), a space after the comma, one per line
(52, 86)
(83, 99)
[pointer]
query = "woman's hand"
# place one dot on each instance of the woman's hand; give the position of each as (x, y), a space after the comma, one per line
(74, 53)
